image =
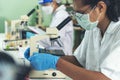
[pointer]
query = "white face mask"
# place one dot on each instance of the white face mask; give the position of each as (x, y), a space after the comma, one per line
(84, 21)
(47, 9)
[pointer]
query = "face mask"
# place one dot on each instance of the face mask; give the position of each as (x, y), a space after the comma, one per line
(84, 21)
(47, 9)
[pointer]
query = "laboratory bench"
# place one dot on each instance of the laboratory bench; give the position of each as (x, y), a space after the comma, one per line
(18, 56)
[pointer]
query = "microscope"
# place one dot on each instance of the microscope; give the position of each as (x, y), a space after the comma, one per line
(52, 34)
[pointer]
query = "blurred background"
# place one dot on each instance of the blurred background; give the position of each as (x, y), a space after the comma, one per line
(14, 9)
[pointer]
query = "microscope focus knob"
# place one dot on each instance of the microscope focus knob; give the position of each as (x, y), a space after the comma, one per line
(54, 74)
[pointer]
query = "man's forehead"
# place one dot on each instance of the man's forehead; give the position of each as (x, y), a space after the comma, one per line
(79, 6)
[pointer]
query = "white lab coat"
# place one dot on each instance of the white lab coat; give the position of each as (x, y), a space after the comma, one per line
(101, 54)
(66, 33)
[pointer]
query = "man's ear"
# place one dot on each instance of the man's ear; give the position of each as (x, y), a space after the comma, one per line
(100, 10)
(101, 7)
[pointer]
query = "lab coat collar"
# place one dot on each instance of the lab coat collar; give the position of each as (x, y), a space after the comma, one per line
(113, 26)
(62, 7)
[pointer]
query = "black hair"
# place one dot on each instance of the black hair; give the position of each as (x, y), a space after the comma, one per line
(113, 8)
(21, 71)
(4, 57)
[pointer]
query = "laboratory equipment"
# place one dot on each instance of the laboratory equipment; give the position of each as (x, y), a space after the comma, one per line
(47, 74)
(51, 33)
(13, 45)
(15, 30)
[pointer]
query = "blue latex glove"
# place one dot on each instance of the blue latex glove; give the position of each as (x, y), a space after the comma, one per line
(43, 61)
(27, 53)
(29, 34)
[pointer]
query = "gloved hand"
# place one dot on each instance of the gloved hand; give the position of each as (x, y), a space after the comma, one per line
(27, 53)
(43, 61)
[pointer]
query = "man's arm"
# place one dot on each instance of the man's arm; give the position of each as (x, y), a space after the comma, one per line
(72, 60)
(69, 68)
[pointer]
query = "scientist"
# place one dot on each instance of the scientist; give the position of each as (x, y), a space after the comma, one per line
(98, 56)
(59, 14)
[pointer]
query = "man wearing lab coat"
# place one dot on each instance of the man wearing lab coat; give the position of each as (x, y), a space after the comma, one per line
(59, 14)
(98, 56)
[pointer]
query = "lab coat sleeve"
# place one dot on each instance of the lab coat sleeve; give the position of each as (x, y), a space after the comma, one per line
(58, 17)
(66, 33)
(80, 52)
(111, 65)
(45, 42)
(66, 36)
